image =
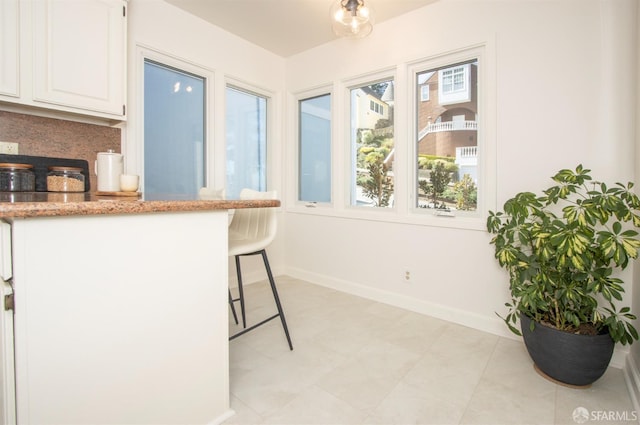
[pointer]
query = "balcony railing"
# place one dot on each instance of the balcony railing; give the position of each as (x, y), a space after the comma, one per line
(467, 152)
(448, 126)
(467, 159)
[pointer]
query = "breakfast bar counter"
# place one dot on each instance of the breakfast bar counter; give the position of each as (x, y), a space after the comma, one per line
(120, 308)
(43, 204)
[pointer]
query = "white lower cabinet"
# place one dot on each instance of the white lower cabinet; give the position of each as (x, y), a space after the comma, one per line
(7, 364)
(66, 55)
(7, 377)
(121, 319)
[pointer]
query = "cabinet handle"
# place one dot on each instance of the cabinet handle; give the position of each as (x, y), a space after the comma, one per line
(9, 302)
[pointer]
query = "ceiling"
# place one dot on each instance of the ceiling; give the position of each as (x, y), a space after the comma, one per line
(285, 27)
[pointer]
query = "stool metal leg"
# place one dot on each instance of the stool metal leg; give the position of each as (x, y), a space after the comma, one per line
(233, 309)
(272, 283)
(241, 291)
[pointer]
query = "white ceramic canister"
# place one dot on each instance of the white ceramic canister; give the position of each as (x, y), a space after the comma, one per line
(109, 166)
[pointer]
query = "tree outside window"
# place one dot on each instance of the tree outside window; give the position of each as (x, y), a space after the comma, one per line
(372, 144)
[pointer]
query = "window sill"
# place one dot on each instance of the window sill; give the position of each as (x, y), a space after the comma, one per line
(391, 215)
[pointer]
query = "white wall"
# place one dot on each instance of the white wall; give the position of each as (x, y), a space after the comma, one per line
(557, 94)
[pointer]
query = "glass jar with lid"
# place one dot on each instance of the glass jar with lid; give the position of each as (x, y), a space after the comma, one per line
(65, 179)
(17, 178)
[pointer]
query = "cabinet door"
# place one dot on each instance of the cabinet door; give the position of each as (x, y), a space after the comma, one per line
(79, 54)
(7, 375)
(9, 51)
(103, 335)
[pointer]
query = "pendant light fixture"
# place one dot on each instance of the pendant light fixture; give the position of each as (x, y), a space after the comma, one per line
(351, 18)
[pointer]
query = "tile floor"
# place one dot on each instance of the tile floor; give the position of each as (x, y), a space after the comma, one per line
(357, 361)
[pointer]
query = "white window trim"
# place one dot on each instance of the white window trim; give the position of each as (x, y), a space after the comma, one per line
(293, 173)
(349, 183)
(134, 155)
(486, 139)
(272, 155)
(404, 76)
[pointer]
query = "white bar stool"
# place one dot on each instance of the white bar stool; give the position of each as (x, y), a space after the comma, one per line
(250, 232)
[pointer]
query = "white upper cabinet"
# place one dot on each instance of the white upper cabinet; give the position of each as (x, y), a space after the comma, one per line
(71, 55)
(79, 54)
(9, 48)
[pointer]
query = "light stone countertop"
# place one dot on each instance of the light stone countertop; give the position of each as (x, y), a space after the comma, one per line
(47, 204)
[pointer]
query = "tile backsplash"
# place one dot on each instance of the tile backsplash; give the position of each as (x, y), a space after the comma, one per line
(39, 136)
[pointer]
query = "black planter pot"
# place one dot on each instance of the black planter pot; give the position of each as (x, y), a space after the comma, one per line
(573, 359)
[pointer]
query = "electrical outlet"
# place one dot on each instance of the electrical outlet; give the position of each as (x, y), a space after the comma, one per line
(407, 276)
(9, 148)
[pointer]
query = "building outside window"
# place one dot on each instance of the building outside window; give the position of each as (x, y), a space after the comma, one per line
(447, 139)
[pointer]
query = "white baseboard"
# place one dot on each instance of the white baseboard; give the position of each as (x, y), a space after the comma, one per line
(632, 378)
(461, 317)
(493, 326)
(222, 418)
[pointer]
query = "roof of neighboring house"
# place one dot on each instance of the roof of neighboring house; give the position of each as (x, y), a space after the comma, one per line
(388, 94)
(370, 92)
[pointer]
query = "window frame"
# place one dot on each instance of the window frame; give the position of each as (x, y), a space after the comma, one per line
(294, 175)
(134, 154)
(200, 167)
(270, 122)
(405, 107)
(486, 150)
(348, 150)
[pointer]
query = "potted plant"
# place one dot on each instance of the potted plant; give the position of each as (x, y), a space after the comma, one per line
(562, 251)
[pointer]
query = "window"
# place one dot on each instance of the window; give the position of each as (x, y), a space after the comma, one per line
(447, 139)
(376, 107)
(174, 130)
(452, 79)
(372, 145)
(246, 141)
(424, 92)
(455, 84)
(314, 173)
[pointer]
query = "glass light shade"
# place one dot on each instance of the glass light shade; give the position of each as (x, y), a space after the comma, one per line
(351, 18)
